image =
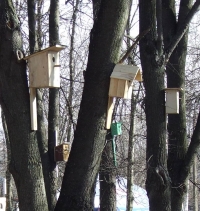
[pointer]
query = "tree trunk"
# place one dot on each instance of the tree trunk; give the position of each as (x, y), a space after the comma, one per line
(72, 69)
(158, 181)
(177, 140)
(54, 102)
(49, 179)
(8, 174)
(83, 164)
(160, 16)
(25, 164)
(107, 177)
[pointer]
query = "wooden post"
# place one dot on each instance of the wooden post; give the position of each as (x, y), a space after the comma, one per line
(109, 111)
(33, 108)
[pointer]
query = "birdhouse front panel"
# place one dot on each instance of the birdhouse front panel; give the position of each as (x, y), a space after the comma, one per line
(120, 88)
(54, 69)
(172, 101)
(61, 152)
(122, 79)
(38, 70)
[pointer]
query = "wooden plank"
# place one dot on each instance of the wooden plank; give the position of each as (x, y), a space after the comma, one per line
(121, 87)
(139, 76)
(109, 112)
(55, 48)
(124, 76)
(53, 69)
(127, 72)
(38, 71)
(113, 87)
(126, 68)
(33, 108)
(172, 101)
(129, 92)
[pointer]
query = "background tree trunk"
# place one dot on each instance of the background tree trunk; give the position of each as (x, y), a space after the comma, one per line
(77, 188)
(158, 181)
(177, 140)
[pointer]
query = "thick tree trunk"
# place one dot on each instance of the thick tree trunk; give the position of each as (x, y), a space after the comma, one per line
(25, 163)
(83, 164)
(8, 174)
(107, 177)
(177, 140)
(157, 182)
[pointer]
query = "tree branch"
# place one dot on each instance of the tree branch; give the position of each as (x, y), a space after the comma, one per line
(181, 30)
(159, 25)
(139, 37)
(192, 150)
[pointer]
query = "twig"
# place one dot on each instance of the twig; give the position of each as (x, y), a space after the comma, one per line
(140, 36)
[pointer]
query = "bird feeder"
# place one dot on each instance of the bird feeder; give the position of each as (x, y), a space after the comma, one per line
(61, 152)
(44, 72)
(121, 85)
(116, 129)
(121, 80)
(172, 100)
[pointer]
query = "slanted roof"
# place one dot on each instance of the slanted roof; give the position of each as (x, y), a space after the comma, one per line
(126, 72)
(55, 48)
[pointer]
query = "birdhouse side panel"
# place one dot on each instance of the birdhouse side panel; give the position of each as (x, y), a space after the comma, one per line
(54, 69)
(172, 102)
(122, 88)
(113, 87)
(38, 71)
(130, 90)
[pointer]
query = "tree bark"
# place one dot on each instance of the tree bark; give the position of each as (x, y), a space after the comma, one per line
(77, 188)
(158, 181)
(72, 69)
(107, 177)
(54, 102)
(8, 174)
(177, 140)
(25, 165)
(153, 60)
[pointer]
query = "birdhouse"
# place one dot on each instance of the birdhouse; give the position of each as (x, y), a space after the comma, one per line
(61, 152)
(172, 100)
(44, 68)
(121, 80)
(44, 72)
(116, 129)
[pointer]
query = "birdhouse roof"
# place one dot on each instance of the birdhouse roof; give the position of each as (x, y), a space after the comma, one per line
(55, 48)
(126, 72)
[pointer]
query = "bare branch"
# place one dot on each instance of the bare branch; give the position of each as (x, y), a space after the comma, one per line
(181, 30)
(140, 36)
(192, 150)
(159, 25)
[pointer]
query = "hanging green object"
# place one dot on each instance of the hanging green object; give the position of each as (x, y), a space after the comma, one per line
(116, 129)
(114, 152)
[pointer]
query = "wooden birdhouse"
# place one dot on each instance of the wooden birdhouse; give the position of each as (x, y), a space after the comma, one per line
(61, 152)
(172, 100)
(121, 85)
(44, 68)
(44, 72)
(121, 80)
(116, 129)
